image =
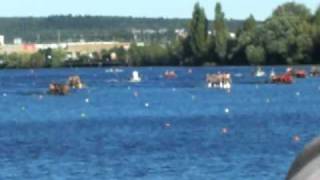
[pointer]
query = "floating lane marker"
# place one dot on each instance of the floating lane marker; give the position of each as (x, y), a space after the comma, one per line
(87, 100)
(268, 100)
(296, 138)
(83, 115)
(227, 110)
(167, 125)
(224, 130)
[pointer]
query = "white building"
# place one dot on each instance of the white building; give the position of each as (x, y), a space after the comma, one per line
(232, 35)
(1, 40)
(17, 41)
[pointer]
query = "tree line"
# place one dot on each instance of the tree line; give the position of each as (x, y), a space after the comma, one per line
(91, 28)
(291, 35)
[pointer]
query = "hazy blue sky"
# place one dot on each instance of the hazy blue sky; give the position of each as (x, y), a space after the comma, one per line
(237, 9)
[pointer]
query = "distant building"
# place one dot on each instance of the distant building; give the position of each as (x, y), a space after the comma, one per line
(163, 31)
(149, 31)
(232, 35)
(1, 40)
(140, 44)
(181, 33)
(17, 41)
(113, 56)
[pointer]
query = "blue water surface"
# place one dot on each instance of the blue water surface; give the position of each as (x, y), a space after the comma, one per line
(159, 129)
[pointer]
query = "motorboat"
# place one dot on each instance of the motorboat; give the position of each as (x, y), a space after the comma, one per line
(282, 79)
(272, 73)
(259, 72)
(315, 71)
(135, 78)
(170, 74)
(297, 73)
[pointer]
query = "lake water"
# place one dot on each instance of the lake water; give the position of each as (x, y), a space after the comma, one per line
(157, 129)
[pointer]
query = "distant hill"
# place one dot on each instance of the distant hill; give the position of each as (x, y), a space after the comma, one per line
(92, 28)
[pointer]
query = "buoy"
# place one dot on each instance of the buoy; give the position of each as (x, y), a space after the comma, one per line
(40, 97)
(4, 95)
(147, 105)
(174, 89)
(136, 94)
(296, 138)
(268, 100)
(193, 97)
(227, 110)
(225, 130)
(298, 94)
(23, 108)
(87, 100)
(167, 125)
(83, 115)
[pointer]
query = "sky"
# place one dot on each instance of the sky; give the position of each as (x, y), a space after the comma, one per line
(235, 9)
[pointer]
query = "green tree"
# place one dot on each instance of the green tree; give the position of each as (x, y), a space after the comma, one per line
(246, 37)
(255, 55)
(316, 36)
(287, 37)
(220, 34)
(250, 24)
(196, 42)
(57, 58)
(293, 9)
(37, 60)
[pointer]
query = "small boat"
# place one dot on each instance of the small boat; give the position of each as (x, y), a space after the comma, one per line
(297, 73)
(300, 74)
(315, 71)
(135, 77)
(272, 73)
(259, 72)
(58, 89)
(222, 81)
(75, 82)
(170, 74)
(282, 79)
